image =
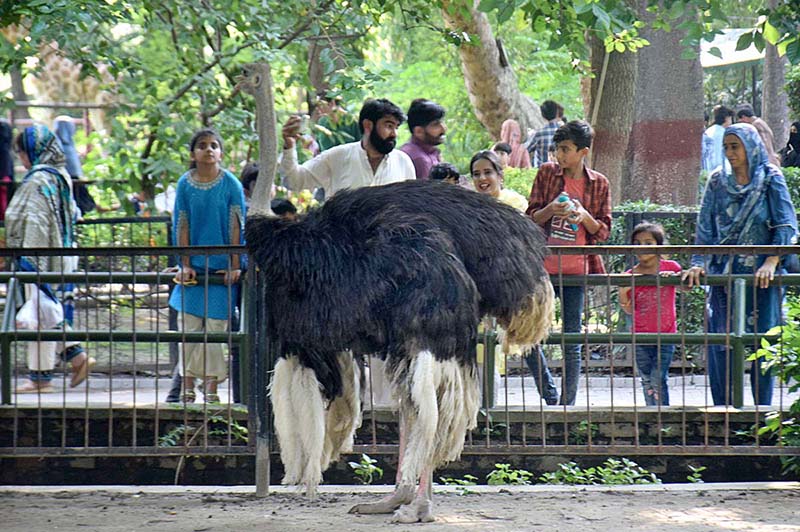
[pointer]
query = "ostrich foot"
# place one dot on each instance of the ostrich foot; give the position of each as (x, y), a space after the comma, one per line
(402, 495)
(419, 511)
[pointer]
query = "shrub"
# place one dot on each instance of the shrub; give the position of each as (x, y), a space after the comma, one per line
(519, 179)
(793, 89)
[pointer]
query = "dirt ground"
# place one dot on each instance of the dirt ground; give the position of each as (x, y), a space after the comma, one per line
(695, 508)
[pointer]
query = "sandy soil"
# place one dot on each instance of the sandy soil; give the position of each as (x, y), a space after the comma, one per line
(687, 508)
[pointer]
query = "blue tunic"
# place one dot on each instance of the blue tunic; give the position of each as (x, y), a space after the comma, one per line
(758, 213)
(211, 211)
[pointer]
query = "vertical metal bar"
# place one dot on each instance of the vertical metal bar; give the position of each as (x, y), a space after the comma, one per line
(262, 352)
(739, 318)
(489, 345)
(9, 313)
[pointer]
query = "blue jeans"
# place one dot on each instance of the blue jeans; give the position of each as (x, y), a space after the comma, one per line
(571, 316)
(720, 359)
(653, 370)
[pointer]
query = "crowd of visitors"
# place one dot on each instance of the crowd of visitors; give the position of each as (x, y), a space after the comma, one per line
(745, 201)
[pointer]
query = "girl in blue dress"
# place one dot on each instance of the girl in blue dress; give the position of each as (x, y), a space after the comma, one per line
(209, 210)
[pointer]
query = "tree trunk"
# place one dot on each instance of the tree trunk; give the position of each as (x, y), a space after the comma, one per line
(775, 103)
(665, 141)
(612, 125)
(18, 92)
(492, 86)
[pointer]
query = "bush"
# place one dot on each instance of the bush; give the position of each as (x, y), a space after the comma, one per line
(792, 176)
(793, 89)
(519, 179)
(783, 358)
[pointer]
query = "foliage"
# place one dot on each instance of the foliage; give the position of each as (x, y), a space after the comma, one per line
(174, 67)
(792, 175)
(519, 179)
(365, 470)
(612, 472)
(303, 200)
(618, 22)
(583, 432)
(792, 88)
(462, 484)
(217, 426)
(503, 475)
(783, 358)
(696, 476)
(421, 57)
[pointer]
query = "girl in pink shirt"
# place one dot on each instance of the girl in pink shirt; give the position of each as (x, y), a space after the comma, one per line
(653, 311)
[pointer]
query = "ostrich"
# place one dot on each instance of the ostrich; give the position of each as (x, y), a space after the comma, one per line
(404, 271)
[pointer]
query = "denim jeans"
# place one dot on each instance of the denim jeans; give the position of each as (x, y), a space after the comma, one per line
(720, 359)
(653, 370)
(571, 316)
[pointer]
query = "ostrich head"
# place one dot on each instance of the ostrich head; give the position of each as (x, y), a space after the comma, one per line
(251, 78)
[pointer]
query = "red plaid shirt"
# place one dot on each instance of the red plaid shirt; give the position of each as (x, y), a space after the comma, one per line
(549, 183)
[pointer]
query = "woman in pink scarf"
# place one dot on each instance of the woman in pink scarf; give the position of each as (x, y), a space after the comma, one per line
(511, 133)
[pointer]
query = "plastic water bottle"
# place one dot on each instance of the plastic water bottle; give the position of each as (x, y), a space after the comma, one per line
(564, 198)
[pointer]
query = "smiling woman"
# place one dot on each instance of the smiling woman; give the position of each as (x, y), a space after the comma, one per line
(487, 176)
(748, 205)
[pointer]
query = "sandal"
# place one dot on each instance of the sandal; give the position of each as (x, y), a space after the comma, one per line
(188, 397)
(79, 375)
(212, 398)
(33, 387)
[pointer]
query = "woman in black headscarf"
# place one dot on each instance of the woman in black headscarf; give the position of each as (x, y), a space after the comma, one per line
(790, 155)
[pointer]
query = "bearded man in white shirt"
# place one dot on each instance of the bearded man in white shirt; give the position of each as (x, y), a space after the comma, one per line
(370, 161)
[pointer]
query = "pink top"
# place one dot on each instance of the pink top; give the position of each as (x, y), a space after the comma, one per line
(648, 307)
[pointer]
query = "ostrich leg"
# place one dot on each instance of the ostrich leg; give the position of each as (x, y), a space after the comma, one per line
(403, 494)
(419, 510)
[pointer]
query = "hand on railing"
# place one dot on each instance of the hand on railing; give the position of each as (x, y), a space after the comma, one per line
(186, 276)
(230, 276)
(766, 273)
(693, 275)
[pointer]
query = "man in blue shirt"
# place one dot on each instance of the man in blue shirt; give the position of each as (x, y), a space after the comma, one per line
(712, 138)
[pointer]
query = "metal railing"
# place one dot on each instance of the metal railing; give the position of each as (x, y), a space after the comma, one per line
(121, 411)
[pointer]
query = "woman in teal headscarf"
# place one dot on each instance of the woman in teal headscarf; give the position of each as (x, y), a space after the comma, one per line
(748, 204)
(41, 214)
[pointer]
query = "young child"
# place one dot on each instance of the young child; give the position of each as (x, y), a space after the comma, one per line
(573, 204)
(444, 172)
(653, 311)
(503, 151)
(209, 210)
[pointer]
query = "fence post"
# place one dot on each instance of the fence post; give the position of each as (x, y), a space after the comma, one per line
(9, 313)
(489, 346)
(739, 320)
(260, 365)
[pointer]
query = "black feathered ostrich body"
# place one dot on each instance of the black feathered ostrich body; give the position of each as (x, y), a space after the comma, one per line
(404, 271)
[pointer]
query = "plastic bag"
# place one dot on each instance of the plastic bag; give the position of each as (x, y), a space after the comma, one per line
(39, 311)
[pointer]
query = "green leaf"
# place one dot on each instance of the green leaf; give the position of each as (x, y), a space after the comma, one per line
(759, 42)
(488, 5)
(771, 33)
(603, 18)
(676, 10)
(715, 52)
(793, 51)
(744, 42)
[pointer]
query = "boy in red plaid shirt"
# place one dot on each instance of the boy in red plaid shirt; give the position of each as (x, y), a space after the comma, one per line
(573, 205)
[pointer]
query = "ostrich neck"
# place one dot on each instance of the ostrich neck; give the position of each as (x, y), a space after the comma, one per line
(267, 145)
